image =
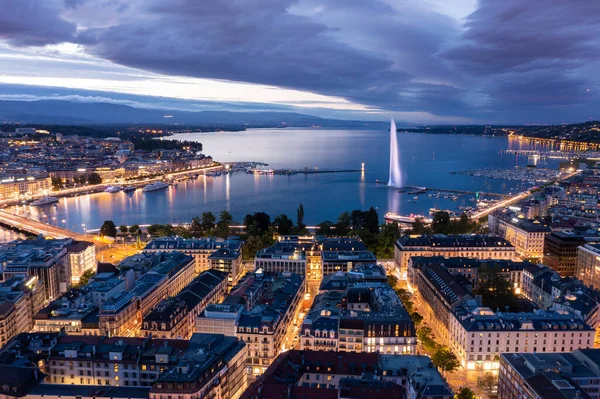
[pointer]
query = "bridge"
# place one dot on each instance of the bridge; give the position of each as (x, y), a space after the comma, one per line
(35, 227)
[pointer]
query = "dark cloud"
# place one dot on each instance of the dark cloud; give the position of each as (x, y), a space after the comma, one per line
(532, 58)
(512, 60)
(34, 23)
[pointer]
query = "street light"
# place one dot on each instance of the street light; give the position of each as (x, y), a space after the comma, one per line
(84, 230)
(65, 223)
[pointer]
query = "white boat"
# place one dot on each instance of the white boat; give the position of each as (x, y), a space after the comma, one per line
(159, 185)
(112, 189)
(44, 201)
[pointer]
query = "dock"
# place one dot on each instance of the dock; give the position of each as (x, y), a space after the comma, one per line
(423, 190)
(301, 171)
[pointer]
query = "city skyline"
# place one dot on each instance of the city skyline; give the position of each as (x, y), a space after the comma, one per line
(458, 62)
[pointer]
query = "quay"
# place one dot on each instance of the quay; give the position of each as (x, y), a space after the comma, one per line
(424, 190)
(96, 188)
(300, 171)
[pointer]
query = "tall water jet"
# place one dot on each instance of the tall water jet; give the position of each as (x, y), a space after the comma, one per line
(395, 174)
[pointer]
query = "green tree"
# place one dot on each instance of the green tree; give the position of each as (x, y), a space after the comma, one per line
(372, 221)
(85, 278)
(300, 219)
(123, 228)
(440, 222)
(208, 222)
(342, 227)
(224, 223)
(392, 280)
(133, 229)
(108, 229)
(284, 225)
(386, 240)
(465, 393)
(325, 228)
(444, 359)
(357, 219)
(418, 227)
(196, 227)
(57, 183)
(94, 178)
(417, 318)
(251, 247)
(487, 382)
(495, 289)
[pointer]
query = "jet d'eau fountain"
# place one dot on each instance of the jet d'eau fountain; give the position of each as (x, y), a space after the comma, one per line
(395, 174)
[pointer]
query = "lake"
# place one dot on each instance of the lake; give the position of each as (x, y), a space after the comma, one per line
(426, 160)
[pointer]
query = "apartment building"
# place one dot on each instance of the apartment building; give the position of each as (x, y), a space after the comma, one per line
(20, 299)
(227, 260)
(271, 302)
(328, 374)
(82, 257)
(588, 265)
(550, 375)
(175, 317)
(467, 246)
(526, 235)
(199, 248)
(213, 367)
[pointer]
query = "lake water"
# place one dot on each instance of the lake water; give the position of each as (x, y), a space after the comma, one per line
(426, 160)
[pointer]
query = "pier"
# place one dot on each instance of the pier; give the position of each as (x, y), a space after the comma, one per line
(424, 190)
(300, 171)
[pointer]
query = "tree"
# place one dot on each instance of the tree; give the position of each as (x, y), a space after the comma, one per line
(225, 219)
(108, 229)
(342, 227)
(251, 247)
(57, 183)
(196, 227)
(85, 277)
(208, 222)
(487, 383)
(392, 280)
(419, 227)
(372, 221)
(440, 222)
(325, 228)
(300, 218)
(465, 393)
(357, 219)
(417, 318)
(257, 224)
(94, 178)
(133, 229)
(123, 228)
(284, 225)
(444, 359)
(384, 248)
(495, 289)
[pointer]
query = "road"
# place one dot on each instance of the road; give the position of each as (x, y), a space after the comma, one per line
(101, 187)
(35, 227)
(514, 199)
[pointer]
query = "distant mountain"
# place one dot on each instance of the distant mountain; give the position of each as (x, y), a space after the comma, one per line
(76, 113)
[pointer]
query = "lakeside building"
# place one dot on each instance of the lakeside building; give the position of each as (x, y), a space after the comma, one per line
(526, 235)
(477, 334)
(365, 316)
(82, 257)
(550, 375)
(206, 365)
(312, 257)
(330, 375)
(24, 187)
(20, 299)
(467, 246)
(261, 310)
(175, 317)
(199, 248)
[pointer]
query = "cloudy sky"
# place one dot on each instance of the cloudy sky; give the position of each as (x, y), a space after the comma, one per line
(421, 61)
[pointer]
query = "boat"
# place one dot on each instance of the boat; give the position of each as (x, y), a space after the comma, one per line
(112, 189)
(415, 198)
(454, 198)
(159, 185)
(129, 189)
(44, 201)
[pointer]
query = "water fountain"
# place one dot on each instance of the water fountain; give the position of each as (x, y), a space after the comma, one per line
(395, 174)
